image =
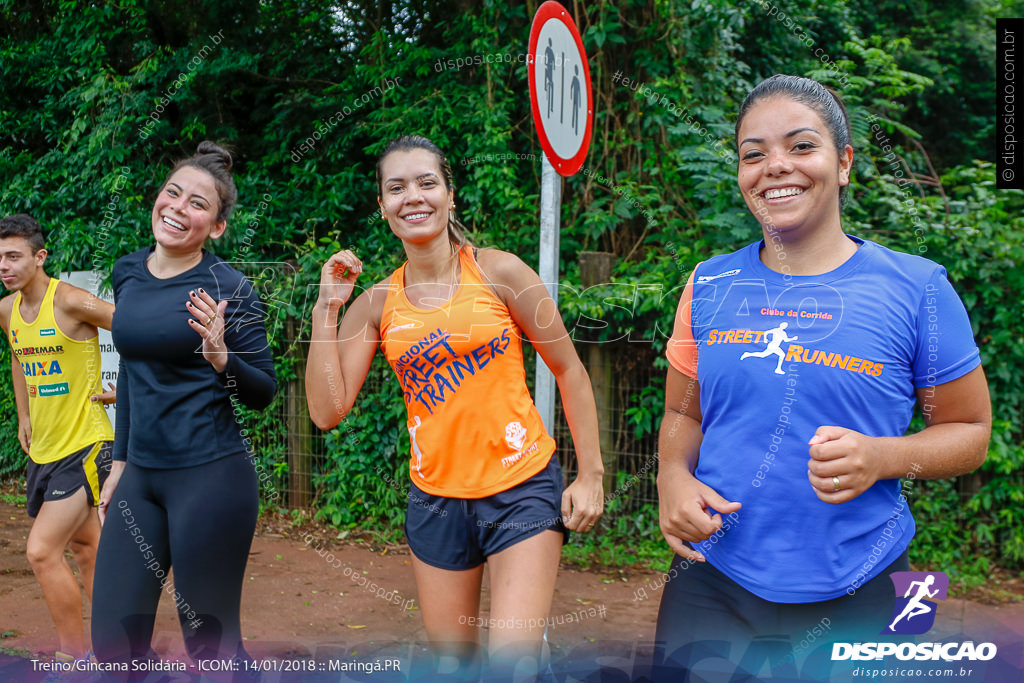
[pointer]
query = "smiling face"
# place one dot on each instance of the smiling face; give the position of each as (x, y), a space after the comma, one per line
(790, 171)
(19, 263)
(414, 196)
(185, 211)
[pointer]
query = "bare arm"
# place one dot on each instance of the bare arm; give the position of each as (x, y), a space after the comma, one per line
(17, 380)
(339, 358)
(83, 307)
(958, 419)
(87, 312)
(535, 312)
(21, 400)
(683, 500)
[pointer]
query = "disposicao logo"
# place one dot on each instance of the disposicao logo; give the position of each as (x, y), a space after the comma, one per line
(48, 332)
(914, 613)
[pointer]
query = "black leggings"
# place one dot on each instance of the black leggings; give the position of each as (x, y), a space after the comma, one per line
(706, 617)
(200, 520)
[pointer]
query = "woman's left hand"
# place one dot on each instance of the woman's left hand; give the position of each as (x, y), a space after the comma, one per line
(583, 502)
(209, 323)
(843, 464)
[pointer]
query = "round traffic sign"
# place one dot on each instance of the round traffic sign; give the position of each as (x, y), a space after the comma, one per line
(560, 93)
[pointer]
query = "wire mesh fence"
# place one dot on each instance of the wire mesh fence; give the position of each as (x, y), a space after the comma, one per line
(287, 441)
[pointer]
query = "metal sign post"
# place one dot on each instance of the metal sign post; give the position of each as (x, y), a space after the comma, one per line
(562, 102)
(550, 210)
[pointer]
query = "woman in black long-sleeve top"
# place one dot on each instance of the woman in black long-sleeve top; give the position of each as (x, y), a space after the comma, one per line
(183, 490)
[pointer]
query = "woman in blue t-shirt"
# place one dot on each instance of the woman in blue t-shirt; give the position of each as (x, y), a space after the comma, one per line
(795, 364)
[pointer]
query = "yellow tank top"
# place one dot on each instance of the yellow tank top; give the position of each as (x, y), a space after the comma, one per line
(61, 374)
(473, 428)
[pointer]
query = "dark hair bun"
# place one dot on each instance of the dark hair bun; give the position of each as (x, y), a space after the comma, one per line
(216, 161)
(206, 147)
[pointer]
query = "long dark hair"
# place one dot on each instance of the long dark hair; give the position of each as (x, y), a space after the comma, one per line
(456, 230)
(823, 100)
(216, 161)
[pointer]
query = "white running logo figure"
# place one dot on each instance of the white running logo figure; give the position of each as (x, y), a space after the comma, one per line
(416, 446)
(915, 607)
(775, 337)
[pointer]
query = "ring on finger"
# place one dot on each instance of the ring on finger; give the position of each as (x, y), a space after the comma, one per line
(835, 484)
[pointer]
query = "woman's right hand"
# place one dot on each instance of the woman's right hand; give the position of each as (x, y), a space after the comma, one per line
(685, 511)
(116, 469)
(338, 277)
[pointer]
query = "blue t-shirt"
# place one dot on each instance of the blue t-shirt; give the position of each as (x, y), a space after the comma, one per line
(778, 356)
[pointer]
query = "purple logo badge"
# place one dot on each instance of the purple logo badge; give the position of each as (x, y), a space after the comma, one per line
(916, 593)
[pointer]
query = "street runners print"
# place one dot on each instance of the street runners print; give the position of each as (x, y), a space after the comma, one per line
(794, 353)
(806, 325)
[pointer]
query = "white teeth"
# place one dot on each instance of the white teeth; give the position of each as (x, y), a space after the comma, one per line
(174, 224)
(782, 192)
(416, 216)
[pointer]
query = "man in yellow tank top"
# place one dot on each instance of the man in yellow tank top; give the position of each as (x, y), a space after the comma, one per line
(55, 369)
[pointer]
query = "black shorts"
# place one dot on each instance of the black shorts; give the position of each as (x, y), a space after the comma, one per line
(706, 619)
(461, 533)
(59, 479)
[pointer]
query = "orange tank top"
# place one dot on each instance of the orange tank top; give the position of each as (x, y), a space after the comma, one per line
(473, 427)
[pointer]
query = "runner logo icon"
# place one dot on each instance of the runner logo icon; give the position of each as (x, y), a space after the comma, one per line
(773, 338)
(915, 608)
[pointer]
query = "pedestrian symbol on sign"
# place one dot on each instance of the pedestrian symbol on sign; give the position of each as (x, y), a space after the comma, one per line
(560, 89)
(549, 76)
(576, 99)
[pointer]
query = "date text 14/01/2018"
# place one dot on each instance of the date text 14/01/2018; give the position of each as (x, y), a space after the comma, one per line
(331, 665)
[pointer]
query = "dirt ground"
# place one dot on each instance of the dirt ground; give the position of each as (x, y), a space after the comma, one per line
(357, 602)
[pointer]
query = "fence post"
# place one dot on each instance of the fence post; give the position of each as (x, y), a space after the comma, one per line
(596, 269)
(300, 451)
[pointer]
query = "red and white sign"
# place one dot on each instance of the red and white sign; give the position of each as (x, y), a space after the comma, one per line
(560, 92)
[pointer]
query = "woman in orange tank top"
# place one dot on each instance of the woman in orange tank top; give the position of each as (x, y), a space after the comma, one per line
(486, 487)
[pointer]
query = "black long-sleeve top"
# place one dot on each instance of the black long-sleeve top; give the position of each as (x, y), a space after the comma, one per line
(173, 409)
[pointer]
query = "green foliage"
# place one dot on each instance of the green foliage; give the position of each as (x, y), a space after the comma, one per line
(21, 652)
(981, 243)
(365, 478)
(90, 127)
(12, 459)
(952, 46)
(944, 541)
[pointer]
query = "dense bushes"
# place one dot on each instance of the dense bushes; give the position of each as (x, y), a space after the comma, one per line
(88, 127)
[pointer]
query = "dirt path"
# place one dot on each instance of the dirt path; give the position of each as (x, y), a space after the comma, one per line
(347, 601)
(355, 603)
